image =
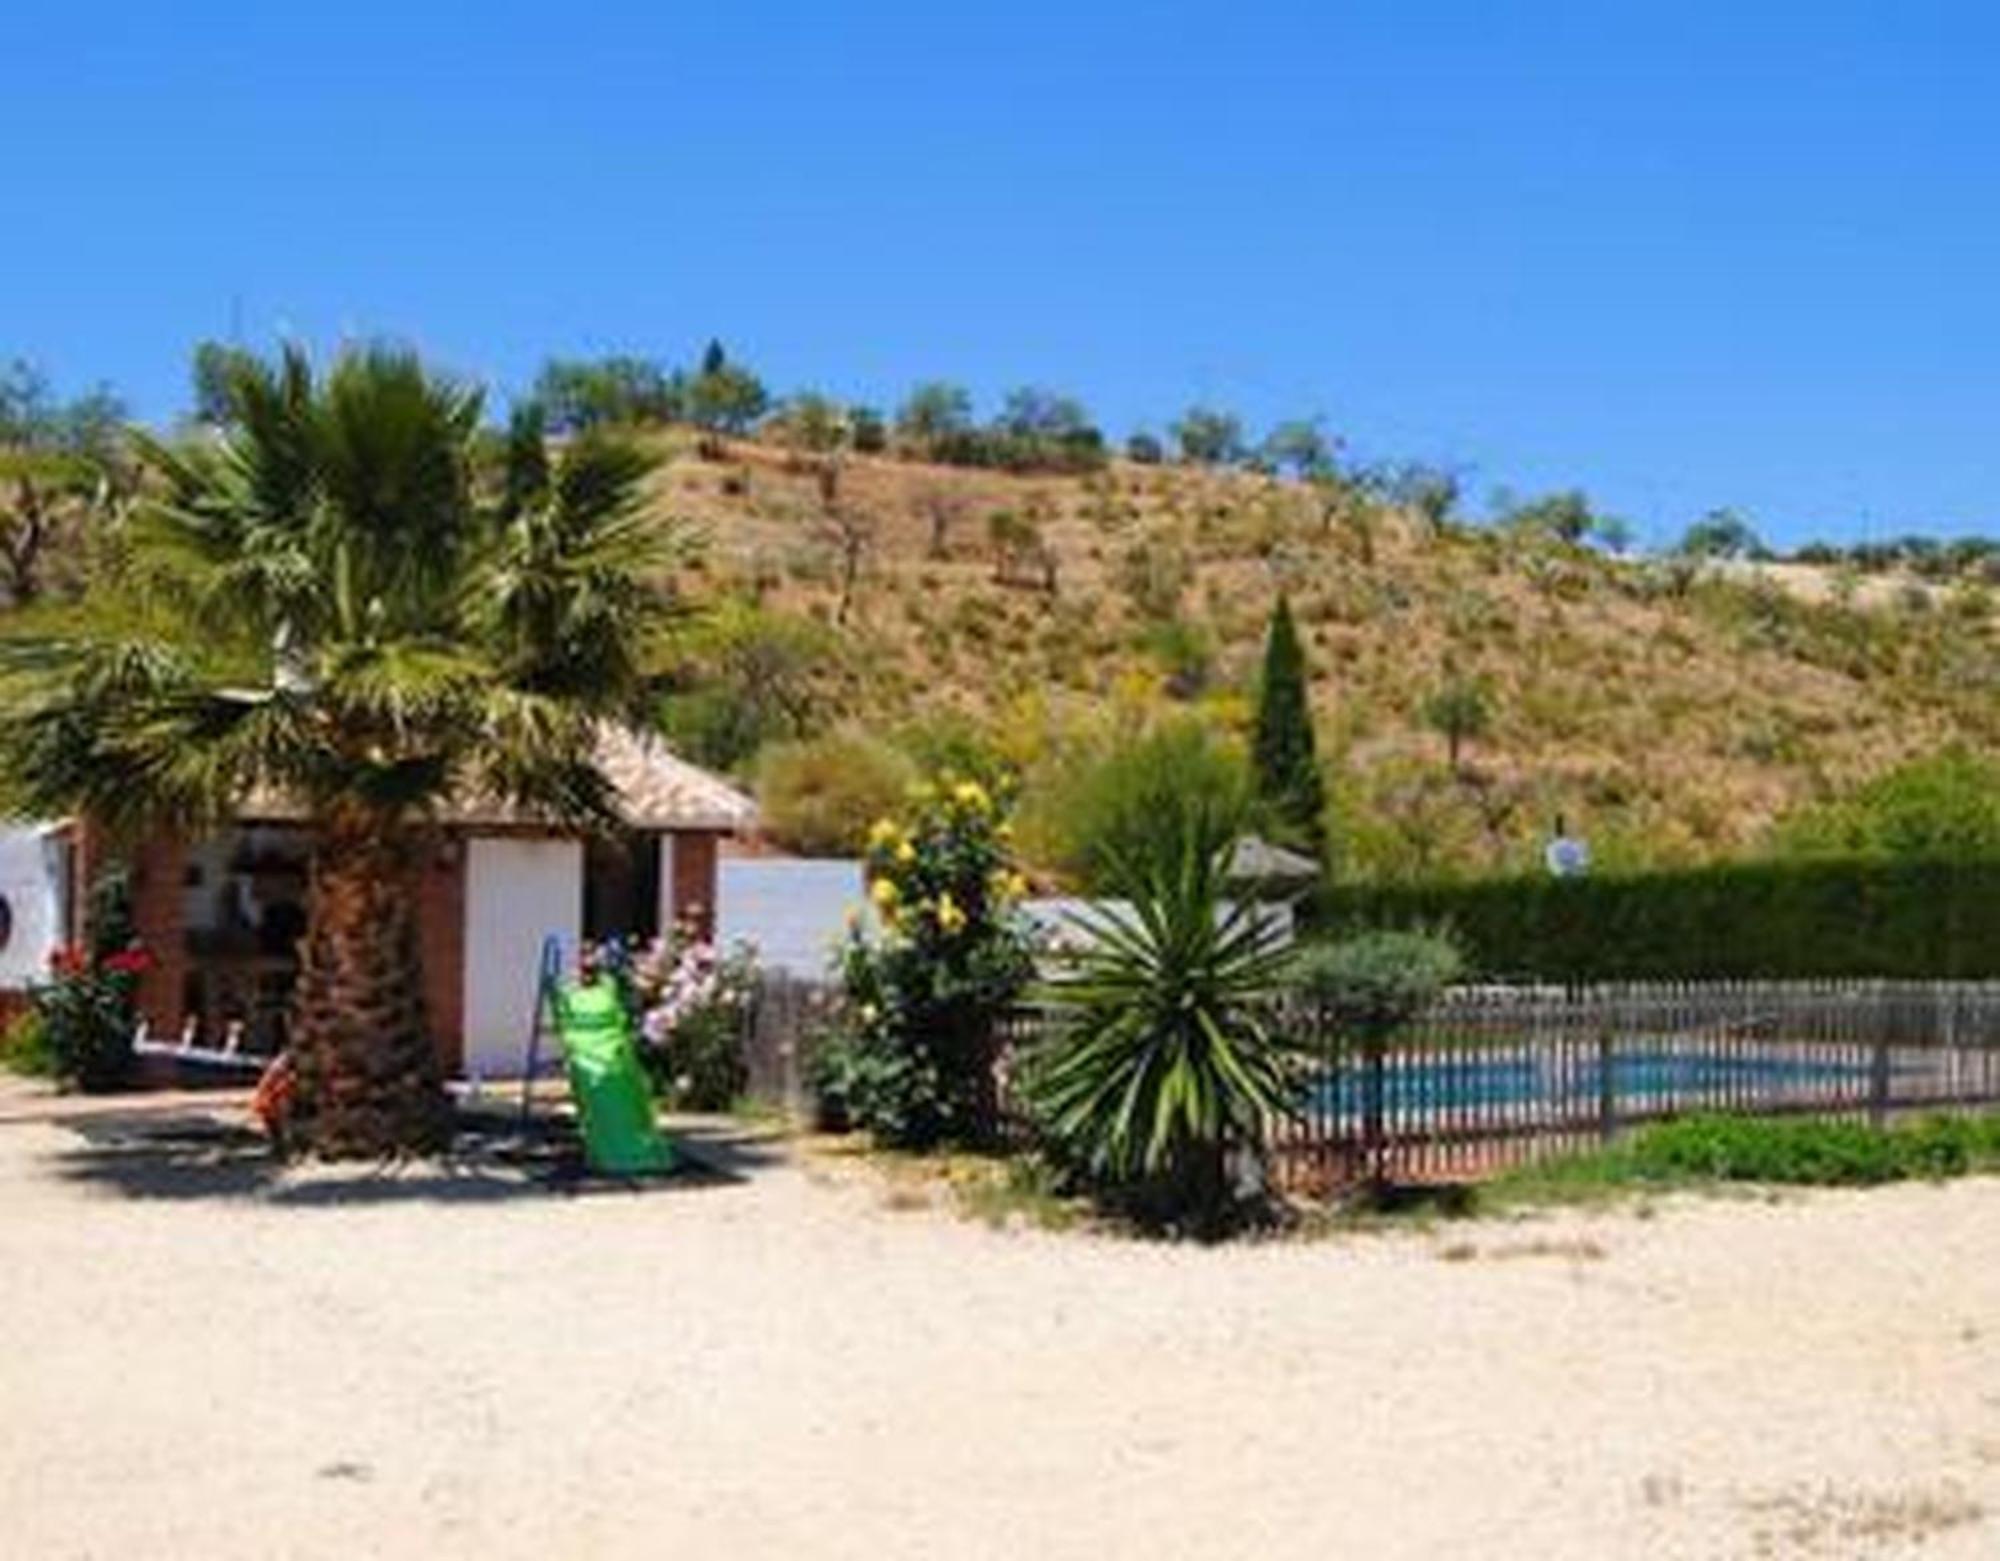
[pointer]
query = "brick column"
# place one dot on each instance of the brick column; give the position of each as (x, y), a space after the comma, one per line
(440, 891)
(159, 914)
(688, 881)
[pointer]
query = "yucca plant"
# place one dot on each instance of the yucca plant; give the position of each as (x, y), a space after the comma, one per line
(339, 602)
(1165, 1062)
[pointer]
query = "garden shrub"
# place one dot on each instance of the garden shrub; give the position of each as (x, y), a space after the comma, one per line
(1166, 1068)
(922, 994)
(694, 1005)
(1369, 986)
(88, 1013)
(24, 1047)
(88, 1008)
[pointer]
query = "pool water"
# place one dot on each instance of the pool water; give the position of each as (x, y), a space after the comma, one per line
(1456, 1083)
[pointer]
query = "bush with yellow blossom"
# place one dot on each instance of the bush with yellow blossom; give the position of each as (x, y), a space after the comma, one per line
(925, 988)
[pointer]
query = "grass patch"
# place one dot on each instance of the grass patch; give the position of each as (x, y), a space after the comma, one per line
(1706, 1151)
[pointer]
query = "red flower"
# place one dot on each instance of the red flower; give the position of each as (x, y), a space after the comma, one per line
(134, 961)
(68, 960)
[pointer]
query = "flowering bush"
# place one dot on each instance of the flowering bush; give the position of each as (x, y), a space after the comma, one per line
(88, 1011)
(694, 1001)
(912, 1057)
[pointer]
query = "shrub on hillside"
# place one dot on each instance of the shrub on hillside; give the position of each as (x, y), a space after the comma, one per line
(819, 795)
(1943, 807)
(1097, 802)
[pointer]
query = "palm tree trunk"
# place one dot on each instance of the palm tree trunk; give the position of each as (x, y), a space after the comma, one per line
(367, 1081)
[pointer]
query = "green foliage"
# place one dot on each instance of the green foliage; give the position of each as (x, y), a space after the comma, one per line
(1164, 1062)
(1809, 1152)
(1566, 516)
(86, 1012)
(1371, 984)
(1040, 430)
(328, 602)
(24, 1047)
(1145, 449)
(818, 795)
(695, 1002)
(1108, 798)
(1721, 533)
(1430, 491)
(935, 418)
(216, 367)
(1458, 710)
(1208, 437)
(1751, 920)
(1301, 447)
(725, 397)
(913, 1059)
(32, 416)
(746, 676)
(579, 394)
(1945, 807)
(866, 430)
(1284, 757)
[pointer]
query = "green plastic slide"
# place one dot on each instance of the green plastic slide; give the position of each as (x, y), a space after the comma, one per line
(621, 1136)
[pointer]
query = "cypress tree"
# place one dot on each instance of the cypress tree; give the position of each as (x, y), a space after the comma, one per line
(1287, 768)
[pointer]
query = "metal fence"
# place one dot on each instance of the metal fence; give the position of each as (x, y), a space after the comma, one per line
(1494, 1076)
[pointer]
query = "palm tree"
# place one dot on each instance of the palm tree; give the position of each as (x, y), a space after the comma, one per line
(335, 602)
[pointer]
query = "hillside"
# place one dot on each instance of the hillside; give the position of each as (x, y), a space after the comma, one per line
(1668, 712)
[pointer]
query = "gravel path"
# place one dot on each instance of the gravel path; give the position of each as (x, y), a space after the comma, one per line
(201, 1364)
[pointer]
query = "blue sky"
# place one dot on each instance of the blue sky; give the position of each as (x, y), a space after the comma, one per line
(1682, 255)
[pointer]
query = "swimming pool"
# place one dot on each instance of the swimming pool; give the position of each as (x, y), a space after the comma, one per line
(1452, 1083)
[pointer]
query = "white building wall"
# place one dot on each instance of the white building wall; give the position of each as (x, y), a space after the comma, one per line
(31, 882)
(518, 893)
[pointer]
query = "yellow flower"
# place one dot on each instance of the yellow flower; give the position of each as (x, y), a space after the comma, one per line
(884, 893)
(883, 832)
(1012, 886)
(949, 917)
(972, 795)
(905, 852)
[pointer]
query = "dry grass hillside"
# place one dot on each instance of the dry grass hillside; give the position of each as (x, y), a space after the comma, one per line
(1670, 712)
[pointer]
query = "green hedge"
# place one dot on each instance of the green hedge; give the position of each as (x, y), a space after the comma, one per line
(1794, 920)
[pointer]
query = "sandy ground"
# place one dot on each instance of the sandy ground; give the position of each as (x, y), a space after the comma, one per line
(200, 1363)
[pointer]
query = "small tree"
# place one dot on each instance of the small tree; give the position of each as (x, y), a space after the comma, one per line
(725, 397)
(1366, 989)
(1208, 437)
(934, 413)
(1722, 533)
(1458, 711)
(942, 509)
(1145, 449)
(1283, 753)
(1300, 447)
